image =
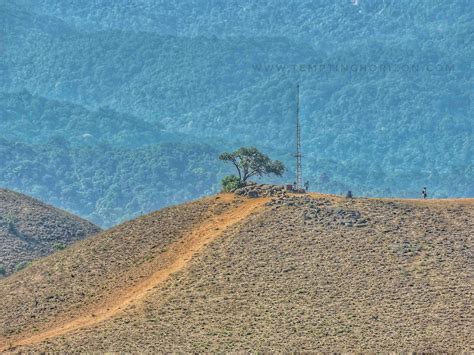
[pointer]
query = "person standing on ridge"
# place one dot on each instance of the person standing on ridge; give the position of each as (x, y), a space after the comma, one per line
(424, 193)
(306, 186)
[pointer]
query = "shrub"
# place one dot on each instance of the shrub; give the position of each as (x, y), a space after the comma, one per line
(10, 222)
(21, 265)
(230, 183)
(59, 246)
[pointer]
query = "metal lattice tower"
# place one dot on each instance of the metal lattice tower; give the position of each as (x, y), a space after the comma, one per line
(298, 155)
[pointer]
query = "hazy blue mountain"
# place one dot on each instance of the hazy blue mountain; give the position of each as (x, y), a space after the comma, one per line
(27, 118)
(311, 20)
(20, 21)
(385, 89)
(107, 184)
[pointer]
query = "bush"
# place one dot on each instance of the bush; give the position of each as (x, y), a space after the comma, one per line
(10, 222)
(230, 183)
(59, 246)
(21, 265)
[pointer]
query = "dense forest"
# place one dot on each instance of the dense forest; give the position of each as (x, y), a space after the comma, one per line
(107, 184)
(385, 97)
(28, 118)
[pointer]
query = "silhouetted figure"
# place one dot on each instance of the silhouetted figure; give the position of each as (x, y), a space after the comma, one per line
(306, 186)
(424, 193)
(294, 186)
(349, 194)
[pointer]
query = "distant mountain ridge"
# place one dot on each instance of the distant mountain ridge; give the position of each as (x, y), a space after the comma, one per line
(33, 119)
(304, 19)
(106, 184)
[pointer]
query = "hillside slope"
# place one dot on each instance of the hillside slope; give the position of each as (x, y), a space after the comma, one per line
(30, 229)
(316, 273)
(85, 275)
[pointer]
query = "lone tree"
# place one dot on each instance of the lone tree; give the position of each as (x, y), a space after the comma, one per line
(249, 162)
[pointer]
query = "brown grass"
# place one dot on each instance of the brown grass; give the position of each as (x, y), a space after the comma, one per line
(170, 261)
(98, 276)
(322, 274)
(30, 229)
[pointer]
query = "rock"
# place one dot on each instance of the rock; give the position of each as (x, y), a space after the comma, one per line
(240, 191)
(253, 194)
(254, 190)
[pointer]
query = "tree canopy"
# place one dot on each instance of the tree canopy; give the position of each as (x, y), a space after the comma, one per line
(251, 162)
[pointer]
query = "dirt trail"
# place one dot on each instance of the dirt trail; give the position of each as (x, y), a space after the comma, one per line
(177, 257)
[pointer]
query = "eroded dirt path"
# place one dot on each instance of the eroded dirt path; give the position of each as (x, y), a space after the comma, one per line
(177, 257)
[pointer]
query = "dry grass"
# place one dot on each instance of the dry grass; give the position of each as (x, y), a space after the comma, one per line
(30, 229)
(87, 275)
(321, 274)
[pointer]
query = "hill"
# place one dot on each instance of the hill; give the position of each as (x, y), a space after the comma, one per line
(30, 229)
(226, 273)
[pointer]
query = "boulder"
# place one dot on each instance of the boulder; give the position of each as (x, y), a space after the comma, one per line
(253, 194)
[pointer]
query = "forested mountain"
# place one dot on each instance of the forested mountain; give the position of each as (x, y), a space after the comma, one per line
(34, 119)
(385, 89)
(21, 21)
(104, 165)
(340, 20)
(107, 184)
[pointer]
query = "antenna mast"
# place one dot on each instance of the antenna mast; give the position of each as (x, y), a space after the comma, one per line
(298, 155)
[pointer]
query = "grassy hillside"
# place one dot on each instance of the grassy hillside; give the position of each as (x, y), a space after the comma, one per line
(30, 229)
(292, 273)
(86, 273)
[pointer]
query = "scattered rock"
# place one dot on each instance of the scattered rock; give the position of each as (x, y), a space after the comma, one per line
(321, 211)
(254, 190)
